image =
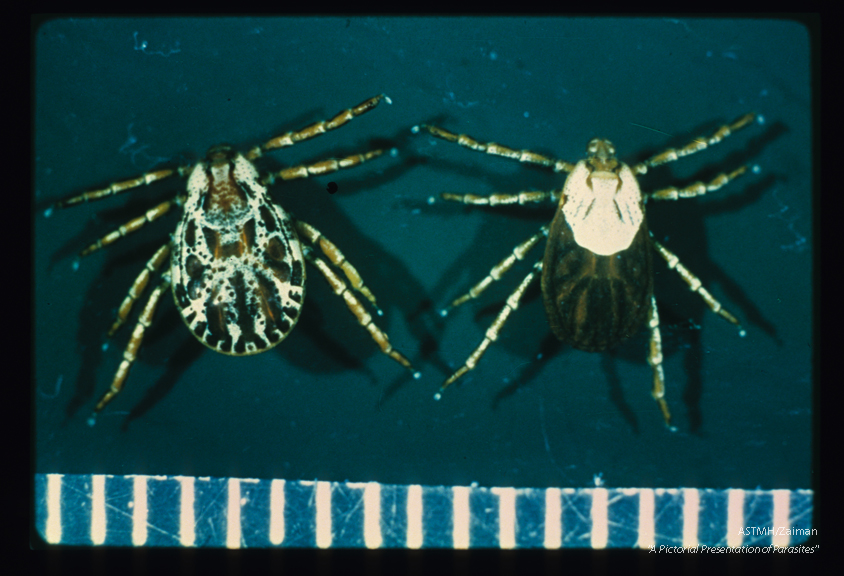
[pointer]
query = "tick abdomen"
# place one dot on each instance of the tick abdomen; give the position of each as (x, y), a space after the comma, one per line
(594, 302)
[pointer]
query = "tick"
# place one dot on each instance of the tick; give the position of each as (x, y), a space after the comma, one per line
(597, 272)
(236, 259)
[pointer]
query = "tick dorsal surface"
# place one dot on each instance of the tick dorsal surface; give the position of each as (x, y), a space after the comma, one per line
(238, 273)
(596, 273)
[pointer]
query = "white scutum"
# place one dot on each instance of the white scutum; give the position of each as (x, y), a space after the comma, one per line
(603, 209)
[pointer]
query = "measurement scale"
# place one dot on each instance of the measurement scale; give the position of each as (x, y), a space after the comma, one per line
(204, 512)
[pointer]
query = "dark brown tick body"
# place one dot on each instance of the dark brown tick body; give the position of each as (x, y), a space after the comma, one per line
(597, 271)
(595, 301)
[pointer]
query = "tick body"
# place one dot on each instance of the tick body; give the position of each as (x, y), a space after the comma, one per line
(236, 259)
(237, 270)
(597, 270)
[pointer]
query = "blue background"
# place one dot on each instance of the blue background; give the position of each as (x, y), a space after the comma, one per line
(118, 97)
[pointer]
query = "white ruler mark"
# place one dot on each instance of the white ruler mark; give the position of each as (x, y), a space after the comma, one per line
(461, 517)
(53, 527)
(277, 512)
(691, 509)
(600, 526)
(323, 514)
(735, 517)
(187, 518)
(414, 517)
(233, 534)
(140, 513)
(98, 512)
(647, 536)
(780, 517)
(553, 518)
(506, 517)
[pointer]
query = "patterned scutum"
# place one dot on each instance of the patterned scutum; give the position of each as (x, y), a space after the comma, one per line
(237, 269)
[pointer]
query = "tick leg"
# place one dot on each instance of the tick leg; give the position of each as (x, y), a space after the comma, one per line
(696, 145)
(698, 188)
(132, 225)
(655, 360)
(323, 167)
(118, 187)
(695, 284)
(491, 335)
(496, 149)
(356, 307)
(521, 198)
(138, 286)
(131, 352)
(498, 270)
(291, 138)
(316, 238)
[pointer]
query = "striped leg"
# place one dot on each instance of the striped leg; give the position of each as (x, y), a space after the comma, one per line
(316, 238)
(133, 225)
(131, 352)
(698, 188)
(288, 139)
(291, 138)
(118, 187)
(655, 360)
(323, 167)
(498, 270)
(696, 145)
(496, 149)
(520, 198)
(492, 332)
(356, 307)
(138, 286)
(695, 284)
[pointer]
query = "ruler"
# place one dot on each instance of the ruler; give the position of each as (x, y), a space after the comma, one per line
(187, 511)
